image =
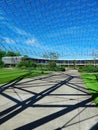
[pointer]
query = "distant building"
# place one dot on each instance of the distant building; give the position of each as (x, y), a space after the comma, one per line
(12, 60)
(68, 62)
(16, 59)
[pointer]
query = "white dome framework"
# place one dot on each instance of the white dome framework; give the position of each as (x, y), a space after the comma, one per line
(38, 27)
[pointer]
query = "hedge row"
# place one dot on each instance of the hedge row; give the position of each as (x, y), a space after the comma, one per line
(88, 68)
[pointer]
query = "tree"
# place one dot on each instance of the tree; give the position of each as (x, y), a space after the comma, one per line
(52, 65)
(74, 62)
(25, 56)
(45, 56)
(2, 54)
(51, 55)
(27, 63)
(1, 63)
(95, 56)
(17, 54)
(10, 53)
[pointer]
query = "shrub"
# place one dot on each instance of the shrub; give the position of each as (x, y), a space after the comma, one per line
(27, 64)
(88, 68)
(96, 75)
(52, 65)
(23, 67)
(59, 68)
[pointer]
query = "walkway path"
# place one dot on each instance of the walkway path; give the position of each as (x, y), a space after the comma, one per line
(59, 101)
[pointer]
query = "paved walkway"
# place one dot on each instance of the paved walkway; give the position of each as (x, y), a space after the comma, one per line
(58, 101)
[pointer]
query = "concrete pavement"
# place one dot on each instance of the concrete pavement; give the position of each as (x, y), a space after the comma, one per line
(59, 101)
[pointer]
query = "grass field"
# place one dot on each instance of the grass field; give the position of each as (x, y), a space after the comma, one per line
(7, 75)
(92, 84)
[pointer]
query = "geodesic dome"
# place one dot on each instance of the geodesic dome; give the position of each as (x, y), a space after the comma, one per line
(37, 27)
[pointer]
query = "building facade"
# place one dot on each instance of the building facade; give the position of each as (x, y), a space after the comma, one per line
(12, 60)
(16, 59)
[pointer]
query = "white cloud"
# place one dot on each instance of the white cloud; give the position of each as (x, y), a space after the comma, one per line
(19, 31)
(32, 41)
(9, 40)
(12, 27)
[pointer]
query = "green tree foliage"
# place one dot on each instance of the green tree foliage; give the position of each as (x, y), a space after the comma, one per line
(2, 54)
(10, 53)
(45, 56)
(52, 65)
(1, 63)
(27, 64)
(25, 56)
(51, 56)
(88, 68)
(17, 54)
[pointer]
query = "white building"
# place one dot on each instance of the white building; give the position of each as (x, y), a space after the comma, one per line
(13, 60)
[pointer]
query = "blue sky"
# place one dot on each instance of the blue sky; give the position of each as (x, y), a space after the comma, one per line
(36, 27)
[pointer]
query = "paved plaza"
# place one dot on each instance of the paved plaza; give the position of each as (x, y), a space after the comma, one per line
(58, 101)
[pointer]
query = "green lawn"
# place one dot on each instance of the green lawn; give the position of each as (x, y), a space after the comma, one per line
(92, 84)
(7, 75)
